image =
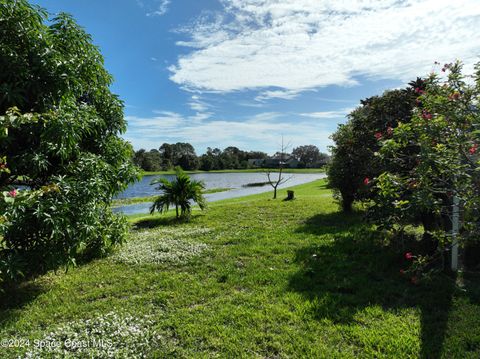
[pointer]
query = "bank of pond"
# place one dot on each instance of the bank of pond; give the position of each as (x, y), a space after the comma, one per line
(138, 197)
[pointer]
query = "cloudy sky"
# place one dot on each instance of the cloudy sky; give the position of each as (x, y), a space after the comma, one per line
(245, 72)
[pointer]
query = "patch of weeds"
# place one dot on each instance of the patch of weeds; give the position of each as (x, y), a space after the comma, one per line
(172, 245)
(112, 335)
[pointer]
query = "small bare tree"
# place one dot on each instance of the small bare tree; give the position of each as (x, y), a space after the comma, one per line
(275, 182)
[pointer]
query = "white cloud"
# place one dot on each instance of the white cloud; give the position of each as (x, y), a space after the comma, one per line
(281, 94)
(328, 114)
(305, 44)
(260, 132)
(197, 104)
(154, 7)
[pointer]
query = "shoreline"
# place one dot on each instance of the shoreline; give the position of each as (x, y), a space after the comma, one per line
(322, 182)
(250, 170)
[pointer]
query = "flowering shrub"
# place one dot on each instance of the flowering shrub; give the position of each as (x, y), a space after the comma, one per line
(353, 163)
(441, 140)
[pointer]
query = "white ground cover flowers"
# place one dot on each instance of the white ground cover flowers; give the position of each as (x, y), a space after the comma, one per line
(112, 335)
(166, 245)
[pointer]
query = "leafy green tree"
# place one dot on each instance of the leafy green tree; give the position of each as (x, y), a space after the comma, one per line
(61, 138)
(445, 131)
(309, 156)
(166, 153)
(353, 162)
(182, 192)
(148, 161)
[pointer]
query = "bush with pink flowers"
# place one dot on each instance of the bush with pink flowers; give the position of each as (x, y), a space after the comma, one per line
(444, 132)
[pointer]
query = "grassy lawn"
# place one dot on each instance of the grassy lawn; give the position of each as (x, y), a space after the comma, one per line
(251, 277)
(250, 170)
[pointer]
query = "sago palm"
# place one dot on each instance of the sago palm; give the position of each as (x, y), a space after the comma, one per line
(181, 192)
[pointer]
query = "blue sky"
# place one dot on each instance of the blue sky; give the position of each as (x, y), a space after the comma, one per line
(245, 72)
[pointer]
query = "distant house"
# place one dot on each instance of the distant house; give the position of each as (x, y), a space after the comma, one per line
(292, 163)
(273, 162)
(256, 162)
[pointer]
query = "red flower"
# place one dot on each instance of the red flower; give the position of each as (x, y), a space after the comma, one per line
(426, 115)
(366, 181)
(13, 193)
(378, 135)
(473, 149)
(408, 255)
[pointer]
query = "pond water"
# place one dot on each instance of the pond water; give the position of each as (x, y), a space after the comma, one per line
(234, 181)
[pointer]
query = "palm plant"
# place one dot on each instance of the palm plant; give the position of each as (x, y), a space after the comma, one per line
(182, 192)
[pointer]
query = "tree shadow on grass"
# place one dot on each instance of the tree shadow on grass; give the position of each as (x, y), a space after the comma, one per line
(154, 222)
(16, 297)
(355, 270)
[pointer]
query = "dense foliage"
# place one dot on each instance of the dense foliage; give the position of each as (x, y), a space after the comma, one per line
(310, 156)
(445, 130)
(410, 155)
(353, 161)
(168, 156)
(62, 159)
(182, 192)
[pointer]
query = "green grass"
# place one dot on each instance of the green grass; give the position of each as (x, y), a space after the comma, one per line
(133, 200)
(253, 277)
(250, 170)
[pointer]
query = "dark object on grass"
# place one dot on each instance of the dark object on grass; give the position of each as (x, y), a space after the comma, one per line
(290, 195)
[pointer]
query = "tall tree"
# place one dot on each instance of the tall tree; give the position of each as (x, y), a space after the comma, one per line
(354, 161)
(308, 155)
(63, 140)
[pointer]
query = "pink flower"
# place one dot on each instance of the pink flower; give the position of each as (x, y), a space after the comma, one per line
(378, 135)
(473, 149)
(13, 193)
(408, 255)
(366, 181)
(426, 115)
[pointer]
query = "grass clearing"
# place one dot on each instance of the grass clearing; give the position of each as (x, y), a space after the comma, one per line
(276, 279)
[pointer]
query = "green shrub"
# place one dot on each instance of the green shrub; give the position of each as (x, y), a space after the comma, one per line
(180, 192)
(59, 143)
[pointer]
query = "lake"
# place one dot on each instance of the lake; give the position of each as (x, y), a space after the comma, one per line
(234, 181)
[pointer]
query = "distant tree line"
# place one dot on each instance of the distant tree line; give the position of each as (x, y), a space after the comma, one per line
(182, 154)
